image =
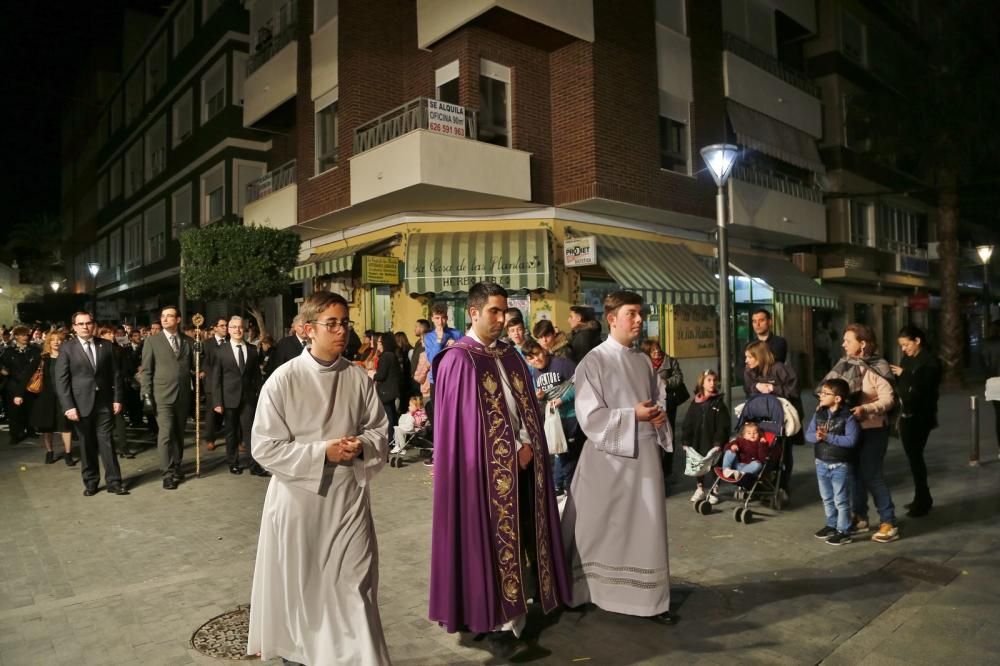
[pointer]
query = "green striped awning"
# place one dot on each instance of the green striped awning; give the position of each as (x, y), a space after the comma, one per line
(661, 273)
(790, 285)
(330, 263)
(446, 263)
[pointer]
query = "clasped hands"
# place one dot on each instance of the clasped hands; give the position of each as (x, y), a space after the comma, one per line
(651, 412)
(343, 449)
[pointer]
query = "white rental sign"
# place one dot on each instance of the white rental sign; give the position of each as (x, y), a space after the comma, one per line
(445, 118)
(580, 251)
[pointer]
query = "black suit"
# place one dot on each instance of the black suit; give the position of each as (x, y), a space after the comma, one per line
(91, 391)
(214, 423)
(288, 347)
(19, 365)
(235, 389)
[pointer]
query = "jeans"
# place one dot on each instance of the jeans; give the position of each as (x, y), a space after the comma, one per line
(834, 487)
(752, 467)
(914, 433)
(868, 476)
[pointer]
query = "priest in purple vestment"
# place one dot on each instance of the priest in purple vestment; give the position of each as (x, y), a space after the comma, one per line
(496, 539)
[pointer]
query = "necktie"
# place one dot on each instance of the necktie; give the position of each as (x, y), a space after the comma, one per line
(242, 361)
(303, 344)
(90, 354)
(173, 345)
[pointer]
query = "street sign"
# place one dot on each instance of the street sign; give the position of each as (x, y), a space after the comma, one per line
(379, 270)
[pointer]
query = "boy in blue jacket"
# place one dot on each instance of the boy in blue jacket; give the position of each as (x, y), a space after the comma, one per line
(834, 433)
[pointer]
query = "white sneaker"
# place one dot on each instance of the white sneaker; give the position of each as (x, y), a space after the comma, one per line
(713, 498)
(699, 494)
(395, 449)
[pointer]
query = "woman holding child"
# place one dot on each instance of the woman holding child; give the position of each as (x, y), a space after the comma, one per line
(868, 377)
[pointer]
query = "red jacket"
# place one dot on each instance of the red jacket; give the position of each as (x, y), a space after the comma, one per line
(750, 451)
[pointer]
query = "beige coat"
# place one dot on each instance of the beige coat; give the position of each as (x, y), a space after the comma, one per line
(877, 400)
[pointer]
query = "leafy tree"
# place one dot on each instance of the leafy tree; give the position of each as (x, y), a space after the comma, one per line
(34, 245)
(238, 263)
(938, 117)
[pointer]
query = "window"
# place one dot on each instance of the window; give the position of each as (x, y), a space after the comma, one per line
(115, 253)
(133, 168)
(861, 233)
(857, 123)
(116, 180)
(325, 11)
(239, 76)
(752, 21)
(244, 174)
(133, 96)
(156, 66)
(156, 148)
(156, 233)
(494, 103)
(180, 206)
(852, 38)
(326, 138)
(213, 90)
(116, 113)
(213, 194)
(670, 13)
(103, 182)
(208, 8)
(900, 231)
(446, 83)
(183, 26)
(182, 117)
(133, 244)
(673, 145)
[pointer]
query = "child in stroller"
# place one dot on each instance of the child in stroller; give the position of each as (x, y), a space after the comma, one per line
(746, 454)
(412, 426)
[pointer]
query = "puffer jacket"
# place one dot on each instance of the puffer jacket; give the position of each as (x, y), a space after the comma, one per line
(583, 338)
(560, 347)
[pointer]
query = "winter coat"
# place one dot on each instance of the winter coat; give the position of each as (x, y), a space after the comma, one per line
(387, 377)
(749, 450)
(781, 376)
(917, 388)
(583, 338)
(842, 435)
(706, 424)
(869, 379)
(560, 347)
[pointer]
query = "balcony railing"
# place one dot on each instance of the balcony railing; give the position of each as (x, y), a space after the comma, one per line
(272, 181)
(777, 182)
(269, 45)
(899, 247)
(404, 119)
(770, 64)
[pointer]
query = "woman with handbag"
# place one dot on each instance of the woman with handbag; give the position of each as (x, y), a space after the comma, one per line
(47, 415)
(669, 370)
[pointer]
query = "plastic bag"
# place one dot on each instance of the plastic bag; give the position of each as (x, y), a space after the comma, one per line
(554, 431)
(696, 464)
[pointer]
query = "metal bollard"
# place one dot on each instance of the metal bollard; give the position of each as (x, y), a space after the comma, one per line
(974, 412)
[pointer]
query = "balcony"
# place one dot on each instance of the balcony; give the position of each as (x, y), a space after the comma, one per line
(272, 71)
(767, 207)
(770, 64)
(534, 21)
(272, 199)
(424, 155)
(756, 80)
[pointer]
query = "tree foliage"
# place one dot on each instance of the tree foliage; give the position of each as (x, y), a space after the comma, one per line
(34, 245)
(238, 263)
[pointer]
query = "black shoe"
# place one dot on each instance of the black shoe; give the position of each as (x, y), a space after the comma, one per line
(117, 489)
(826, 532)
(49, 458)
(257, 470)
(89, 491)
(919, 510)
(169, 484)
(179, 477)
(666, 618)
(235, 469)
(70, 460)
(840, 539)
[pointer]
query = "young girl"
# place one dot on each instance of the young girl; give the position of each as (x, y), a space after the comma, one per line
(706, 424)
(411, 421)
(746, 454)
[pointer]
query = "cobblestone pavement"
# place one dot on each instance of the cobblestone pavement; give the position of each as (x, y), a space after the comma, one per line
(127, 580)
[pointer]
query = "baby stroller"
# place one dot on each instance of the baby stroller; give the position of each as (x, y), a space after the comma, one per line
(420, 438)
(777, 419)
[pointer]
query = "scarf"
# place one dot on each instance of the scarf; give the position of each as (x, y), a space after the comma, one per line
(657, 362)
(702, 397)
(852, 369)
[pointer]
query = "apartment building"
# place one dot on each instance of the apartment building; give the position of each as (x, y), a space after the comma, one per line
(551, 146)
(170, 152)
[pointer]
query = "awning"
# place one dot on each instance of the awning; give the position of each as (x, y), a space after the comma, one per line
(452, 262)
(329, 263)
(662, 273)
(789, 284)
(772, 137)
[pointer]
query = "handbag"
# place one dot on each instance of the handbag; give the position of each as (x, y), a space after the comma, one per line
(678, 396)
(35, 383)
(554, 431)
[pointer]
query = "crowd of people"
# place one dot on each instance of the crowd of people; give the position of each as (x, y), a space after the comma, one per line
(518, 415)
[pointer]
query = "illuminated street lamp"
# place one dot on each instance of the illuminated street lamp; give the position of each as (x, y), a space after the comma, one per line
(94, 267)
(720, 159)
(54, 286)
(985, 252)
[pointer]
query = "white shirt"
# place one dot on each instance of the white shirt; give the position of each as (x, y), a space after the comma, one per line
(236, 352)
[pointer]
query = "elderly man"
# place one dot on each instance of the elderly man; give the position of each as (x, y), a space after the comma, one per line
(289, 346)
(235, 380)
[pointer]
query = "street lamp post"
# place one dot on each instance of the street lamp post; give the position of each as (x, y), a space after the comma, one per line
(720, 159)
(94, 268)
(54, 286)
(985, 252)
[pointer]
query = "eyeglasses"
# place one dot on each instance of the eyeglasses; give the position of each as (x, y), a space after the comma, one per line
(84, 323)
(333, 325)
(827, 393)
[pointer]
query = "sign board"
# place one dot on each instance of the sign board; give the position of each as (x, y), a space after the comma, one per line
(445, 118)
(694, 331)
(379, 270)
(919, 301)
(580, 251)
(522, 303)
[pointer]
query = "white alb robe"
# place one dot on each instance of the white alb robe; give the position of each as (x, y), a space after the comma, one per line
(315, 584)
(615, 521)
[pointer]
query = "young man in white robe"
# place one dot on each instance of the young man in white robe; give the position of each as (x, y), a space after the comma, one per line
(615, 521)
(320, 430)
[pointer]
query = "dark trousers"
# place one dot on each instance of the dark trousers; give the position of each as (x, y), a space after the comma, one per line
(914, 433)
(133, 405)
(391, 413)
(996, 412)
(120, 432)
(94, 433)
(171, 420)
(240, 420)
(215, 423)
(17, 416)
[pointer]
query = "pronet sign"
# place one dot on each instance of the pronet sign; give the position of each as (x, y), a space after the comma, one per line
(580, 251)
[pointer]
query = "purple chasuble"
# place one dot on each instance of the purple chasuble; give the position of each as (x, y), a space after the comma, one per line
(477, 568)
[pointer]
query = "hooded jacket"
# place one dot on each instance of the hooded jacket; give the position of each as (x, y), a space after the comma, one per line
(584, 337)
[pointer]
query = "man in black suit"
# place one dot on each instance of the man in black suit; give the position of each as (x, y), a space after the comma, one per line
(235, 387)
(133, 401)
(16, 367)
(88, 383)
(214, 422)
(288, 347)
